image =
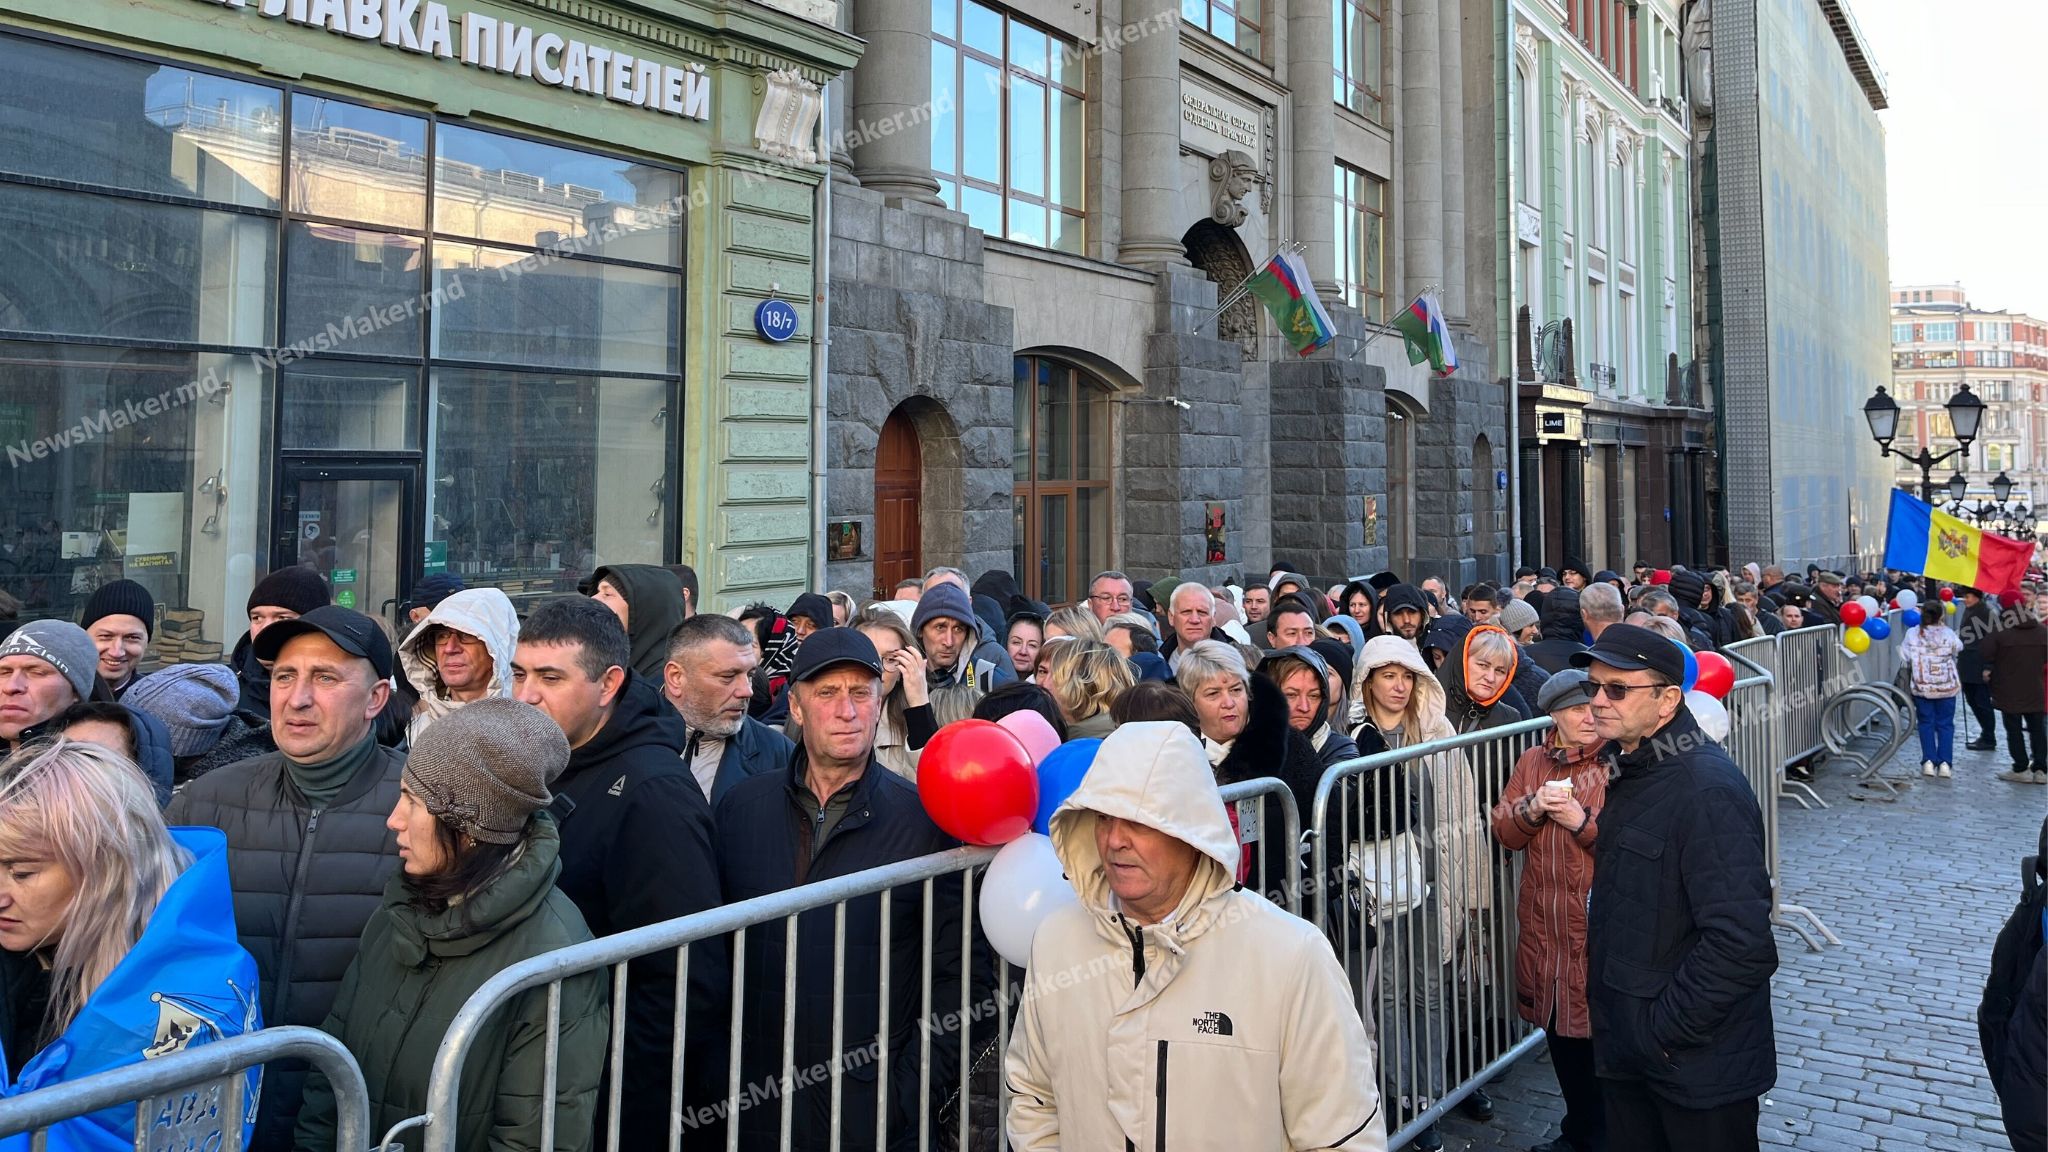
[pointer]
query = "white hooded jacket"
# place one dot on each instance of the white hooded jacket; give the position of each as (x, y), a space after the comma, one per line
(484, 613)
(1227, 1026)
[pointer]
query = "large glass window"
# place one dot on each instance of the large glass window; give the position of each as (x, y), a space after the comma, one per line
(1237, 22)
(504, 313)
(1362, 241)
(1061, 501)
(1361, 72)
(1009, 125)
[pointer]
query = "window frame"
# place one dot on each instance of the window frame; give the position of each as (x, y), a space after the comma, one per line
(1032, 489)
(1348, 19)
(1351, 213)
(955, 181)
(1233, 10)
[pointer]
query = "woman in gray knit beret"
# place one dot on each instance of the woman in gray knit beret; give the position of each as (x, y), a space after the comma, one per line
(475, 893)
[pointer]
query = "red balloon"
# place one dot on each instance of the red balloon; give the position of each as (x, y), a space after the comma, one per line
(1717, 674)
(1948, 593)
(977, 782)
(1853, 614)
(1894, 604)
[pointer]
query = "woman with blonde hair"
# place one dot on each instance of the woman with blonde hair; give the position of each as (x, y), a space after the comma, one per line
(907, 723)
(117, 935)
(1074, 620)
(1085, 677)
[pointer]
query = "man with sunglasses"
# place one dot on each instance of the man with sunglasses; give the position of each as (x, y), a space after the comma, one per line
(1680, 952)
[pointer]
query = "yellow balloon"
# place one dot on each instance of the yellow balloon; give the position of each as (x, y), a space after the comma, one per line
(1856, 640)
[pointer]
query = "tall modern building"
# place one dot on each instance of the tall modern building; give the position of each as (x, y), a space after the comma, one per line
(1942, 342)
(1036, 207)
(1613, 430)
(1794, 274)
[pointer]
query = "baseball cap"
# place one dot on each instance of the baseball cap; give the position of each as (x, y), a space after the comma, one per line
(1562, 691)
(351, 631)
(829, 646)
(1628, 648)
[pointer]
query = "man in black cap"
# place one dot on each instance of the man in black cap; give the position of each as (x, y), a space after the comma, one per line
(833, 812)
(1679, 946)
(308, 852)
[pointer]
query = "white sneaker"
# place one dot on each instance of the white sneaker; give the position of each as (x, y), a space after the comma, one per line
(2041, 777)
(1927, 768)
(1943, 770)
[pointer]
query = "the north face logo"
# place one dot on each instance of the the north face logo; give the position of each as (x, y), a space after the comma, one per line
(1212, 1024)
(618, 787)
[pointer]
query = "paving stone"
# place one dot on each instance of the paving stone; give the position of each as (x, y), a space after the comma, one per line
(1877, 1038)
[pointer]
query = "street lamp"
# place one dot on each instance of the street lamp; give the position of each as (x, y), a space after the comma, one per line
(1965, 411)
(1958, 487)
(2001, 488)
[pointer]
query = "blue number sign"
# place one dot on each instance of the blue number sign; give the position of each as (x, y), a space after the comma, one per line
(775, 320)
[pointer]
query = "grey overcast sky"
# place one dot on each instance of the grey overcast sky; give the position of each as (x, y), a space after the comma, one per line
(1966, 144)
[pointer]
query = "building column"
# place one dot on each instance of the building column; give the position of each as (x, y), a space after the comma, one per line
(1309, 66)
(1151, 143)
(1451, 82)
(1422, 149)
(892, 89)
(839, 96)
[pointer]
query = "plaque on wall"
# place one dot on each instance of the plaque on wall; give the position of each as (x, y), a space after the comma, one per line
(1213, 122)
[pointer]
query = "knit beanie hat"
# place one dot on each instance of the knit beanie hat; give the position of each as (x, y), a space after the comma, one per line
(484, 768)
(120, 598)
(60, 644)
(1519, 614)
(193, 700)
(297, 588)
(946, 600)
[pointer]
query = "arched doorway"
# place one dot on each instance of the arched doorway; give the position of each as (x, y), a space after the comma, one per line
(899, 484)
(1217, 251)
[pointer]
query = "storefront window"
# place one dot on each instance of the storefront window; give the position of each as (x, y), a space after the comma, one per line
(1061, 502)
(146, 301)
(1009, 125)
(534, 478)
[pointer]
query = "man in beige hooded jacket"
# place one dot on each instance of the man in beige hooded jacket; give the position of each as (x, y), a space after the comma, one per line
(1169, 1008)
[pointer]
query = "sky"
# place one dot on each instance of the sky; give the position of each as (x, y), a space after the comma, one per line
(1966, 144)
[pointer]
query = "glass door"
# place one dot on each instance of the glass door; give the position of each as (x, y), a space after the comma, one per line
(355, 524)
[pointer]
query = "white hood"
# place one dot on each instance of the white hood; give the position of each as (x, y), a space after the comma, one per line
(1155, 774)
(1425, 719)
(484, 613)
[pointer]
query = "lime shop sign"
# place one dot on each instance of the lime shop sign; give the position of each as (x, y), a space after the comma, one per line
(428, 28)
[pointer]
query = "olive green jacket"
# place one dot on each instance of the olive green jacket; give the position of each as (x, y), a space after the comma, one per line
(414, 973)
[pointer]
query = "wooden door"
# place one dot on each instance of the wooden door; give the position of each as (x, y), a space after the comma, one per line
(899, 481)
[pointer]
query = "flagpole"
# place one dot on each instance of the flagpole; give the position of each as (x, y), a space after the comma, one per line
(1379, 330)
(1243, 287)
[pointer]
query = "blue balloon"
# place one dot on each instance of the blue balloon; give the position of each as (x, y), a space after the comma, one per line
(1910, 618)
(1059, 775)
(1692, 667)
(1877, 628)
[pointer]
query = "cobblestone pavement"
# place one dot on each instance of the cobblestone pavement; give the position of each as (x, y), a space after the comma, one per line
(1877, 1039)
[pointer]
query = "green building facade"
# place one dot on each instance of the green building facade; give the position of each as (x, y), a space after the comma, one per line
(392, 288)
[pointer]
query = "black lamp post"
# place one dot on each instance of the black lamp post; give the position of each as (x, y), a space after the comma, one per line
(2015, 520)
(1965, 411)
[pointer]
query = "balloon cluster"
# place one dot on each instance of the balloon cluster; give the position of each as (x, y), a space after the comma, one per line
(1709, 677)
(999, 782)
(1863, 622)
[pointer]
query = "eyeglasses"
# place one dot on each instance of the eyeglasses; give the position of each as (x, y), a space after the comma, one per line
(1106, 598)
(1616, 690)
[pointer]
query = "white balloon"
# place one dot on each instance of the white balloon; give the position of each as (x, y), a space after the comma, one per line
(1870, 606)
(1908, 598)
(1023, 886)
(1709, 712)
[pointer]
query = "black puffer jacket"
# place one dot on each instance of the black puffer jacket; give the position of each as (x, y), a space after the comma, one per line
(153, 752)
(1268, 746)
(1564, 632)
(636, 850)
(305, 884)
(1680, 953)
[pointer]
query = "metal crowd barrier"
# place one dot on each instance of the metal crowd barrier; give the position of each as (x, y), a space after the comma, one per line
(1418, 899)
(952, 1044)
(1754, 735)
(197, 1098)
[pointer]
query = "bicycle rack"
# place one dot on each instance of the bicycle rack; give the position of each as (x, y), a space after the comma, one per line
(1888, 720)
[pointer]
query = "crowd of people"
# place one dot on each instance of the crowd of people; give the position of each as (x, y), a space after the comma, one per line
(394, 819)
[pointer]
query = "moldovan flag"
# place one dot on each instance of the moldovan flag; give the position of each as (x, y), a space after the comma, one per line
(1932, 543)
(1283, 287)
(1422, 328)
